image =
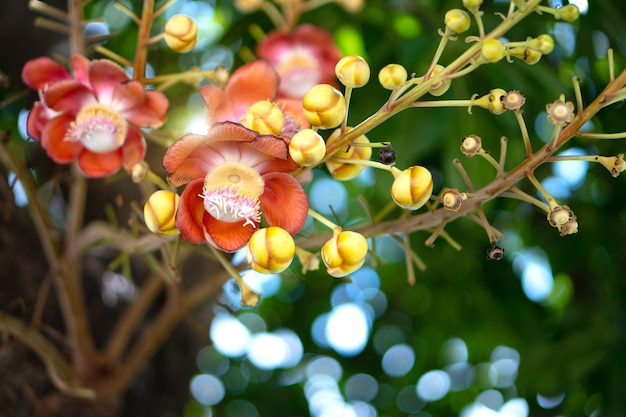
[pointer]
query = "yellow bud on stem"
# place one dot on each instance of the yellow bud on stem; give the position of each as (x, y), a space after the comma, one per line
(270, 250)
(159, 212)
(324, 106)
(412, 187)
(353, 71)
(307, 147)
(181, 33)
(344, 253)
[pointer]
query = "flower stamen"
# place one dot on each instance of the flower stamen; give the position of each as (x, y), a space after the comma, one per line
(231, 193)
(99, 129)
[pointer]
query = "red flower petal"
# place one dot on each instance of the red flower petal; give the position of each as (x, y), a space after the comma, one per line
(284, 203)
(218, 108)
(250, 83)
(127, 95)
(190, 213)
(100, 164)
(68, 96)
(40, 72)
(151, 113)
(227, 236)
(104, 75)
(79, 68)
(134, 148)
(192, 156)
(53, 140)
(36, 121)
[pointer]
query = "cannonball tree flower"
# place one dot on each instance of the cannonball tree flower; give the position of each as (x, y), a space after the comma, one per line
(234, 177)
(251, 83)
(303, 58)
(92, 116)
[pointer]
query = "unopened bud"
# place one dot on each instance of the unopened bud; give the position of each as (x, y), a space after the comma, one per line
(324, 106)
(472, 5)
(353, 71)
(438, 89)
(412, 188)
(457, 20)
(181, 33)
(392, 76)
(159, 212)
(569, 13)
(493, 50)
(615, 164)
(265, 117)
(492, 101)
(307, 147)
(344, 253)
(248, 6)
(270, 250)
(345, 171)
(351, 6)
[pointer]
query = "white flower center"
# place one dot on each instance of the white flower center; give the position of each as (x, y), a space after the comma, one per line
(98, 128)
(231, 193)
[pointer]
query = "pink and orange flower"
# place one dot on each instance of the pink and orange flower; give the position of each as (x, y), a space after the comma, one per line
(92, 117)
(302, 58)
(234, 176)
(251, 83)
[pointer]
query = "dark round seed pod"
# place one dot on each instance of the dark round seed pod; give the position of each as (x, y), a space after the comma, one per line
(387, 156)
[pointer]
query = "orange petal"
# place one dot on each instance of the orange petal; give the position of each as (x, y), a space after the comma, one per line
(284, 203)
(36, 121)
(252, 82)
(152, 112)
(40, 72)
(190, 213)
(227, 236)
(98, 165)
(79, 68)
(68, 96)
(53, 140)
(104, 75)
(218, 107)
(134, 148)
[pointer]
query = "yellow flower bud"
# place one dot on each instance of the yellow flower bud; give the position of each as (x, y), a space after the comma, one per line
(270, 250)
(344, 171)
(181, 33)
(159, 212)
(265, 117)
(307, 147)
(569, 13)
(615, 164)
(248, 6)
(351, 6)
(457, 20)
(412, 188)
(528, 55)
(139, 172)
(441, 87)
(472, 5)
(344, 253)
(542, 43)
(494, 101)
(392, 76)
(353, 71)
(324, 106)
(493, 50)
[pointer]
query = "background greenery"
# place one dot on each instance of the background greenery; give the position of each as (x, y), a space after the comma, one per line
(573, 343)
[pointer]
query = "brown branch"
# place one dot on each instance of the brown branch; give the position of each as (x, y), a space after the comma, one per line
(497, 187)
(60, 372)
